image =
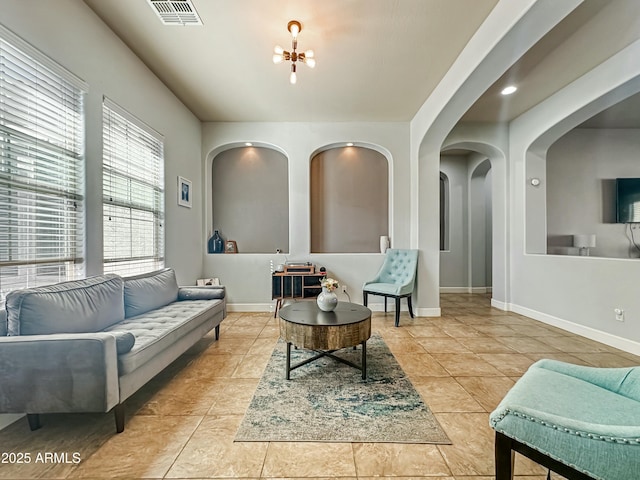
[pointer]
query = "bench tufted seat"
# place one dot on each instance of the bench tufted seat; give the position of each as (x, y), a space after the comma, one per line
(582, 422)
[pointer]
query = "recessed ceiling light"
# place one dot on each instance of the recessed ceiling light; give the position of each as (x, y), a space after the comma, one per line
(509, 90)
(349, 144)
(249, 144)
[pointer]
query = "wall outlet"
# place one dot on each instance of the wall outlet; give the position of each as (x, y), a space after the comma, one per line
(619, 314)
(344, 289)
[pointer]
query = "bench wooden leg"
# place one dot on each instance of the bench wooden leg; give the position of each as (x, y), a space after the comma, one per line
(504, 456)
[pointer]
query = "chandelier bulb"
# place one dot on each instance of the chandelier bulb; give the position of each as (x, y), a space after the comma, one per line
(278, 49)
(309, 54)
(293, 78)
(311, 62)
(277, 58)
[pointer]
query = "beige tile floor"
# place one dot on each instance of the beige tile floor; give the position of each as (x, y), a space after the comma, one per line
(182, 424)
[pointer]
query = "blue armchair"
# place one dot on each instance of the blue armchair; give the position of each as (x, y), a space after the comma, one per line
(396, 279)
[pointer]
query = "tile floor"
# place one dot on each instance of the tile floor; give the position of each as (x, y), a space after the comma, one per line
(182, 424)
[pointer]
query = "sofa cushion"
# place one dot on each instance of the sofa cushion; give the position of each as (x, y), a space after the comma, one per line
(87, 305)
(156, 330)
(146, 292)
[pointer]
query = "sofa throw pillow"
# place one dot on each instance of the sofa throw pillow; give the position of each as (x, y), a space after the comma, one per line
(146, 292)
(87, 305)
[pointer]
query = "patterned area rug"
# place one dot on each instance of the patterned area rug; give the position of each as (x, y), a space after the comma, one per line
(327, 401)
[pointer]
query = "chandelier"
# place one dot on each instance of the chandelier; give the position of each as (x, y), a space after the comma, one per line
(281, 54)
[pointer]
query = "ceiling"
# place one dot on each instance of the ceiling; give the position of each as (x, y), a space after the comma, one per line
(377, 60)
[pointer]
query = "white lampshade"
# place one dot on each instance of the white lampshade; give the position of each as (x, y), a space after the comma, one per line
(584, 240)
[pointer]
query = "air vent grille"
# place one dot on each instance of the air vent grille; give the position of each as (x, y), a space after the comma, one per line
(176, 12)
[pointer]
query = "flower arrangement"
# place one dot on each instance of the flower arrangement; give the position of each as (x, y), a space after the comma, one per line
(329, 283)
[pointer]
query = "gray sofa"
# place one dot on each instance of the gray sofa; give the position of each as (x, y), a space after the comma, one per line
(88, 345)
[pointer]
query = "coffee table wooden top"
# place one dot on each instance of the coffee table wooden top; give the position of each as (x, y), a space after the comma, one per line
(304, 325)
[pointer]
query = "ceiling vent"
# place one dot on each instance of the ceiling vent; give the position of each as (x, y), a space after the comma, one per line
(176, 12)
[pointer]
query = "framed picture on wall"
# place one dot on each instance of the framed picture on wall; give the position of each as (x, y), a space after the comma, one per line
(185, 192)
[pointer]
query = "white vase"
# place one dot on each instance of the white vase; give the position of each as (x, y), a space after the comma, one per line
(327, 300)
(384, 243)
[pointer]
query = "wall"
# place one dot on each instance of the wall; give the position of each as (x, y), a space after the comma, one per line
(251, 198)
(575, 293)
(454, 262)
(247, 276)
(467, 264)
(581, 170)
(72, 35)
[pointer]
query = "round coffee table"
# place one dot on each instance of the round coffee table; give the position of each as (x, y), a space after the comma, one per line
(304, 325)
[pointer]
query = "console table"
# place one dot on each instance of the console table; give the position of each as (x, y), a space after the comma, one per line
(294, 285)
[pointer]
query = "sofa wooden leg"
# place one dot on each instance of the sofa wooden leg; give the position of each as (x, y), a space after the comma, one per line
(504, 456)
(34, 421)
(118, 412)
(217, 332)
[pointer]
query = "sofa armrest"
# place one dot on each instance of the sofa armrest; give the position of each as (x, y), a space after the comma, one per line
(58, 373)
(216, 292)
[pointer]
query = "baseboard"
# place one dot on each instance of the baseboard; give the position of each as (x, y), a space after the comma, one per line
(499, 305)
(588, 332)
(428, 312)
(250, 307)
(7, 419)
(465, 289)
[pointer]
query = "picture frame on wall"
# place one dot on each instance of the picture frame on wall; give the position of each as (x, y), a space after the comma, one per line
(185, 192)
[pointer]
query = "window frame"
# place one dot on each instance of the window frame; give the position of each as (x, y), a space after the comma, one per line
(133, 191)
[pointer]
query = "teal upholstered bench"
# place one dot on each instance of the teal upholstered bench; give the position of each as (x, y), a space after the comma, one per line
(581, 422)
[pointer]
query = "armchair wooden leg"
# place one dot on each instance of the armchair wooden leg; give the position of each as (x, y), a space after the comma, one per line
(385, 304)
(504, 456)
(34, 421)
(365, 297)
(397, 311)
(410, 306)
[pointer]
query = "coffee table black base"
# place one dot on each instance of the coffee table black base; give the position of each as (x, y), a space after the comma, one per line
(328, 353)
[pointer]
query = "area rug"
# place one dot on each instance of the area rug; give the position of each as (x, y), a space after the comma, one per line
(327, 401)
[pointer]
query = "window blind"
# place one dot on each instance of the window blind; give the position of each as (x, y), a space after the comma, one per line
(133, 193)
(41, 168)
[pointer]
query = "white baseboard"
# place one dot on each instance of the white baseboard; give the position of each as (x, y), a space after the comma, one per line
(499, 305)
(7, 419)
(427, 312)
(250, 307)
(588, 332)
(465, 289)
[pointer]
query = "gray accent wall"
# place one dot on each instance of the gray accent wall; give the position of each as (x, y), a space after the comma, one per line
(349, 200)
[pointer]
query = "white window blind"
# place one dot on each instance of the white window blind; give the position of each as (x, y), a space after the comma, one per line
(41, 168)
(133, 193)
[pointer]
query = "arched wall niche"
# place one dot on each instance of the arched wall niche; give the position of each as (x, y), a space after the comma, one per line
(249, 200)
(349, 198)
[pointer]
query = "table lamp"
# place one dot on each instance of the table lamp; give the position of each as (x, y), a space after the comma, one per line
(584, 242)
